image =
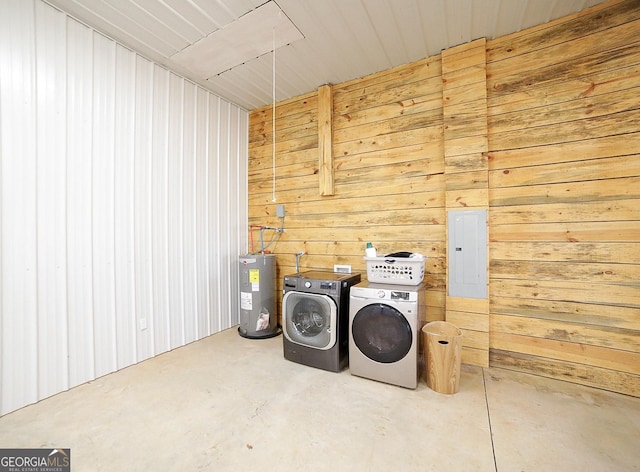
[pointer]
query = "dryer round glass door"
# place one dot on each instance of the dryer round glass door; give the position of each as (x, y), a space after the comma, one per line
(381, 333)
(309, 319)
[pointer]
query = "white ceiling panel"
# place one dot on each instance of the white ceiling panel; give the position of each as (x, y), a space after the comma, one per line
(433, 17)
(223, 12)
(260, 31)
(484, 17)
(158, 16)
(338, 40)
(510, 17)
(458, 20)
(560, 8)
(400, 30)
(178, 35)
(192, 15)
(531, 18)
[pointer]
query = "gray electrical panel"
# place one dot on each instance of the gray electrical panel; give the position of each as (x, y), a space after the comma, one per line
(467, 253)
(258, 315)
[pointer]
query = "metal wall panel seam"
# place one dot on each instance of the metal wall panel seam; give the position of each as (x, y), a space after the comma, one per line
(143, 217)
(196, 259)
(19, 378)
(189, 285)
(205, 245)
(103, 204)
(79, 206)
(224, 186)
(175, 218)
(238, 240)
(123, 192)
(160, 134)
(190, 183)
(216, 258)
(218, 224)
(199, 199)
(52, 326)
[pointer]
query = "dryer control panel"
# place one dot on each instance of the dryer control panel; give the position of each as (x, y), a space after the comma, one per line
(399, 295)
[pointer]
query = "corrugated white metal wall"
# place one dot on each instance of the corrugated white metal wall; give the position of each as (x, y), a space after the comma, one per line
(122, 206)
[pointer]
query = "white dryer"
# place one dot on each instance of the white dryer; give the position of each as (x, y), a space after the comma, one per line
(385, 323)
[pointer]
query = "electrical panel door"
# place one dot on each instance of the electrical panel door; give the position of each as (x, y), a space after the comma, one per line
(467, 253)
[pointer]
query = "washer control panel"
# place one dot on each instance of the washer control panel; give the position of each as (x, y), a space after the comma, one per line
(319, 281)
(319, 286)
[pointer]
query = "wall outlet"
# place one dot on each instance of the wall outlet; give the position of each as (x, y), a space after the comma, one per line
(280, 211)
(342, 269)
(143, 324)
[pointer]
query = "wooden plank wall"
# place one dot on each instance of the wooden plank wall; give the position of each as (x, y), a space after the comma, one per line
(464, 104)
(563, 189)
(388, 175)
(564, 122)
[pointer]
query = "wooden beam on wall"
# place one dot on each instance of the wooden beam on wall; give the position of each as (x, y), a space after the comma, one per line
(325, 139)
(464, 110)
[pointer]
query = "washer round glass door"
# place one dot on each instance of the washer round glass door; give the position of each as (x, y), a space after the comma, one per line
(382, 333)
(309, 319)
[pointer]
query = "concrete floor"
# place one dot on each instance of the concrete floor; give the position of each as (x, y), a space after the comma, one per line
(227, 403)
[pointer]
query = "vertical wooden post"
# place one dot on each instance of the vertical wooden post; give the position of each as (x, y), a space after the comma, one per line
(325, 139)
(464, 102)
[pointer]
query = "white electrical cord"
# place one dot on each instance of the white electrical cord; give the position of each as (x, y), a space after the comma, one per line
(273, 117)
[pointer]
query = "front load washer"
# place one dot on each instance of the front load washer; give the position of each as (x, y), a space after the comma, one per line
(315, 312)
(385, 322)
